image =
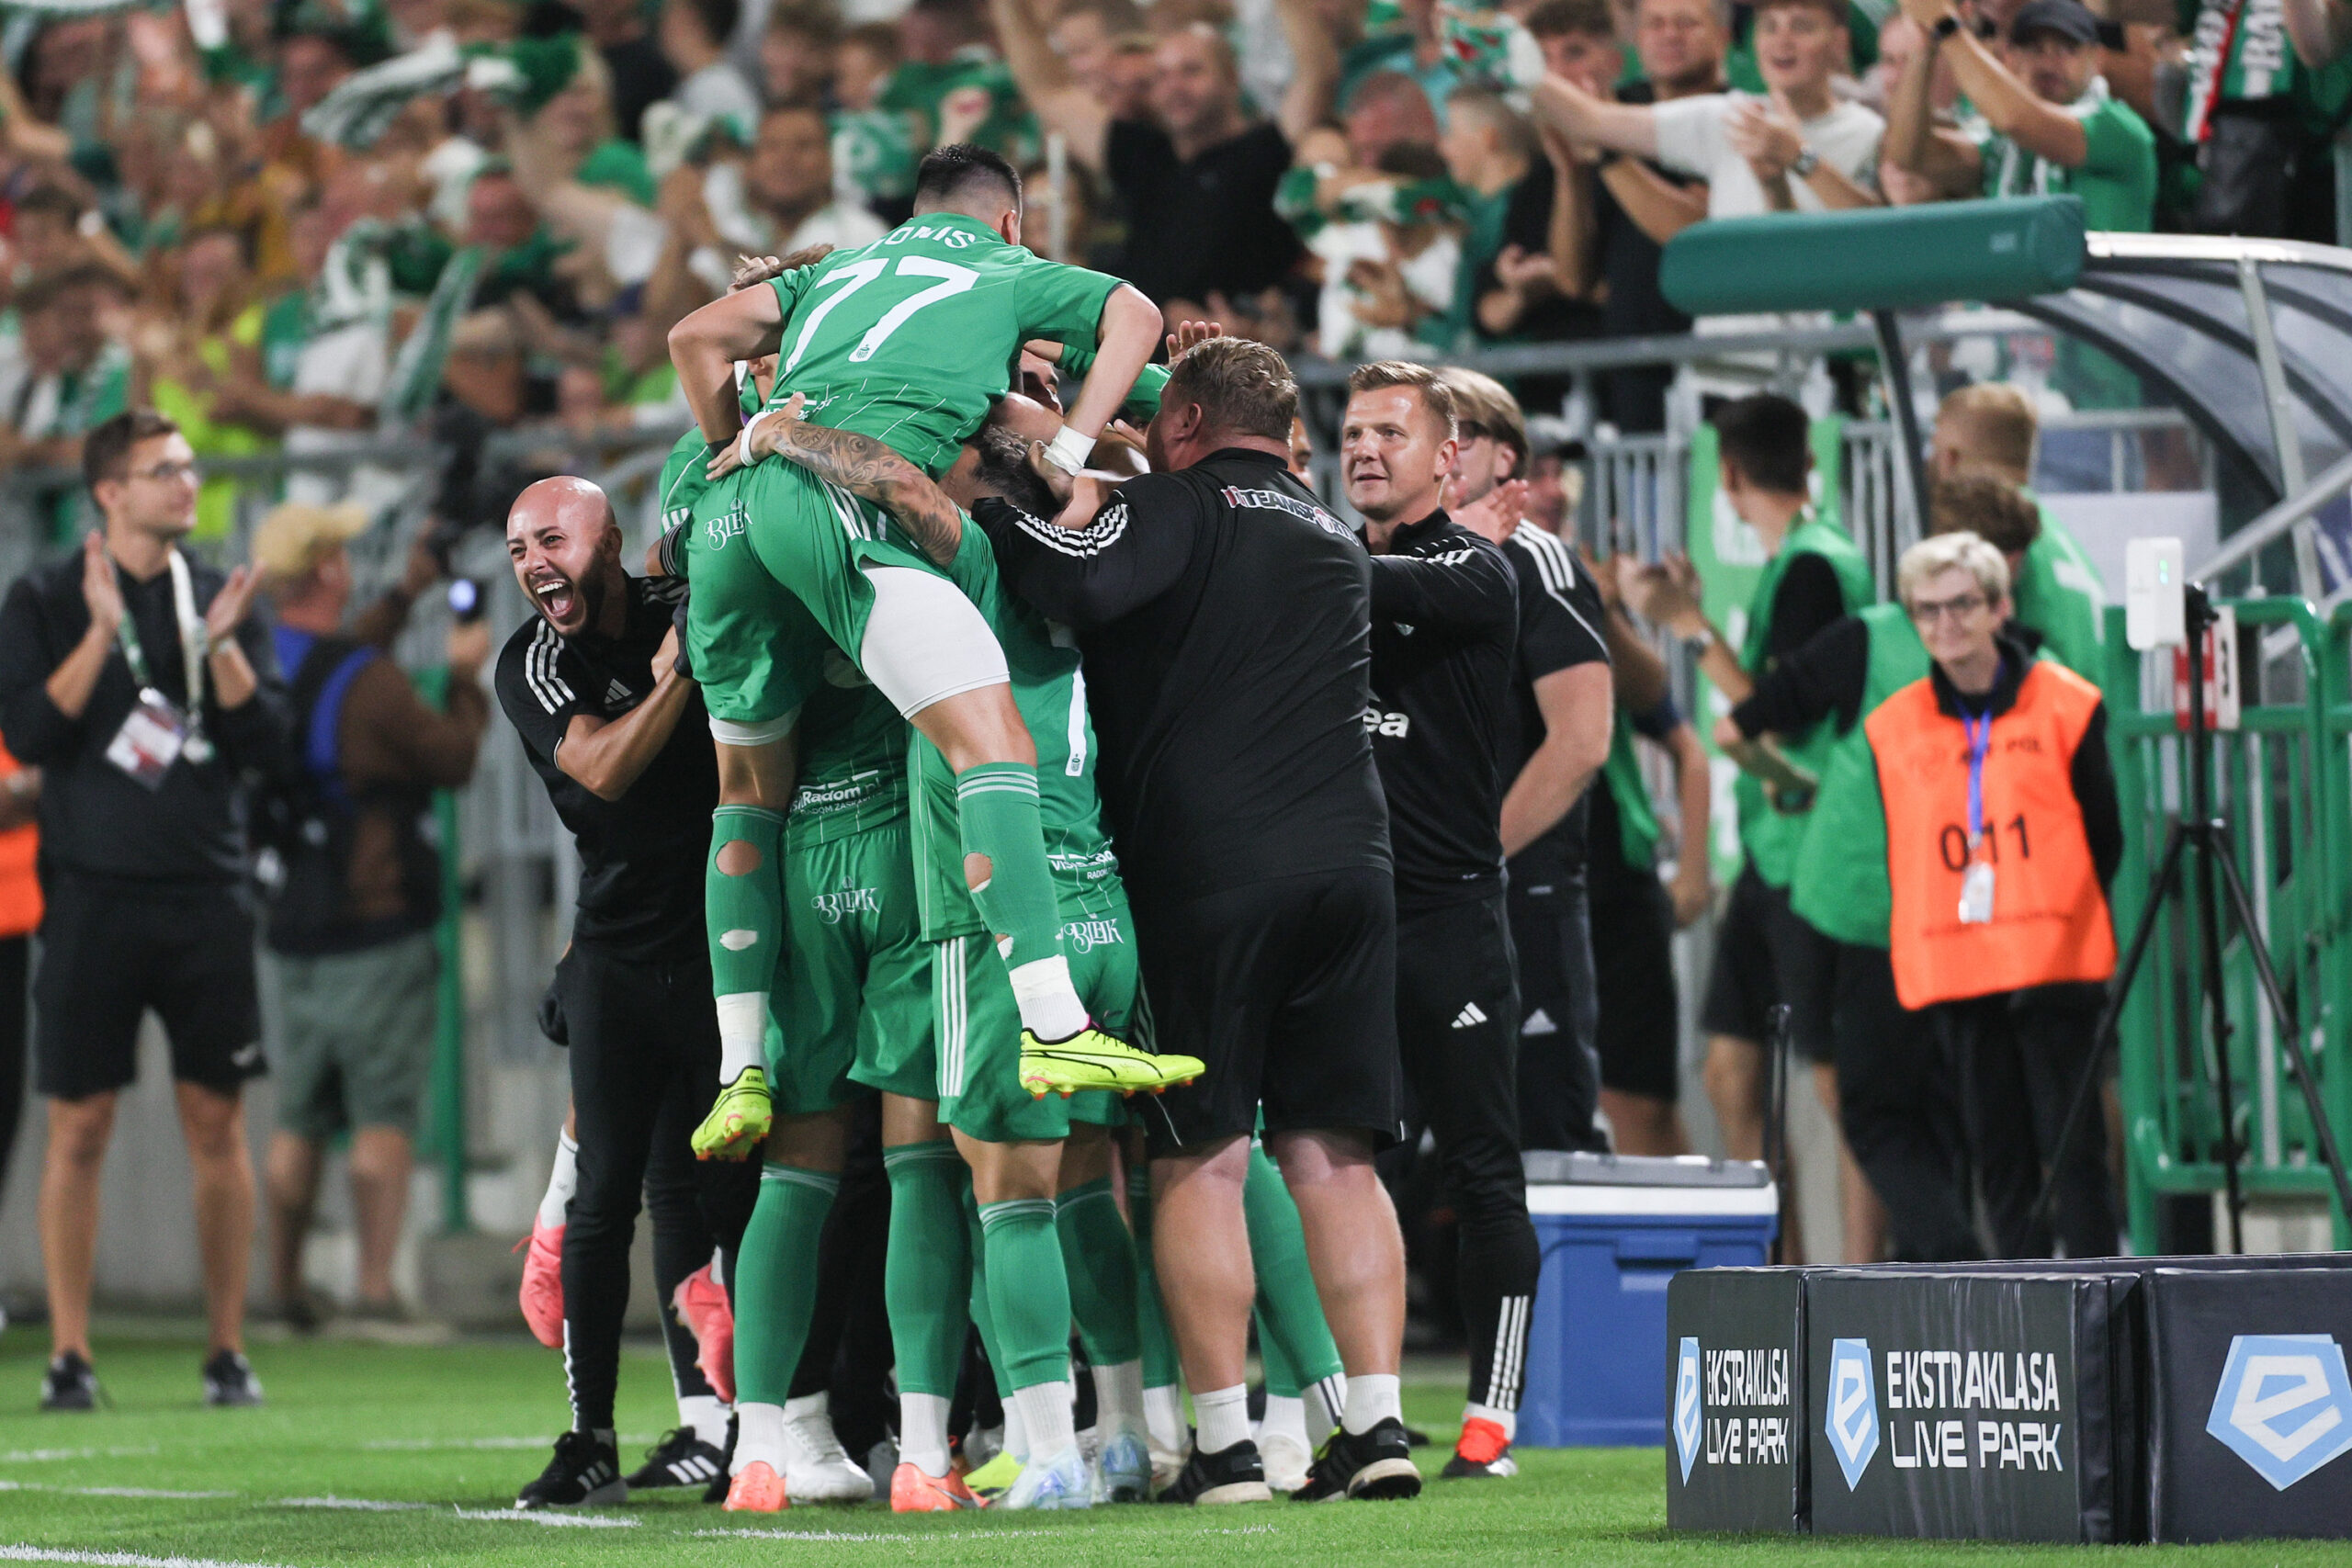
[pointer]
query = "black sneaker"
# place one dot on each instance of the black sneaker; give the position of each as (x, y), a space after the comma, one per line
(1372, 1465)
(583, 1473)
(716, 1491)
(70, 1385)
(1415, 1438)
(229, 1380)
(679, 1458)
(1232, 1475)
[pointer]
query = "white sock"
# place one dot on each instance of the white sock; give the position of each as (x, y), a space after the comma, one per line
(707, 1414)
(1507, 1419)
(759, 1436)
(562, 1181)
(1373, 1397)
(1118, 1398)
(1047, 1415)
(1327, 1401)
(1285, 1418)
(923, 1432)
(743, 1033)
(1016, 1430)
(1163, 1417)
(1049, 1006)
(1223, 1417)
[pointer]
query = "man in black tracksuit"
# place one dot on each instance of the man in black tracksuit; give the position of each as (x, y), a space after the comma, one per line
(1445, 637)
(615, 732)
(1225, 617)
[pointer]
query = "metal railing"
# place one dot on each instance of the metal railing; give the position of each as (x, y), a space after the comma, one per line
(2282, 780)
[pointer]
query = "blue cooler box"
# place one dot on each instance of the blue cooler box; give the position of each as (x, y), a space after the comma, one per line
(1613, 1230)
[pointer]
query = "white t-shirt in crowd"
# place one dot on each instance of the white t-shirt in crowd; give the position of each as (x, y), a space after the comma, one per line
(1691, 140)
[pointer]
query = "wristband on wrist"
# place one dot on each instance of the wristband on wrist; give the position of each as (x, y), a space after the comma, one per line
(1068, 451)
(743, 437)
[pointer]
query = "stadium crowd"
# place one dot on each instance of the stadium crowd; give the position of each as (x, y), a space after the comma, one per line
(238, 225)
(237, 212)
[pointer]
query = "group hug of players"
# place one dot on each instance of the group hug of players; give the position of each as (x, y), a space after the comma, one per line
(934, 917)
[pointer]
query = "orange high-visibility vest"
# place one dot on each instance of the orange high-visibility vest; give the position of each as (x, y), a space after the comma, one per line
(20, 903)
(2050, 917)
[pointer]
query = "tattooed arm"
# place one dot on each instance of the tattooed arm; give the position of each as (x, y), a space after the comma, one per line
(867, 469)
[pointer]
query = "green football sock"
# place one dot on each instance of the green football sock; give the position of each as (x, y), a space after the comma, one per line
(1099, 1257)
(775, 1280)
(1028, 1292)
(1289, 1310)
(926, 1277)
(1282, 1381)
(745, 913)
(983, 1316)
(1160, 1368)
(997, 806)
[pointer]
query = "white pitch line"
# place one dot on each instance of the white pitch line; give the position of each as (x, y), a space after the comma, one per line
(31, 1456)
(111, 1491)
(380, 1505)
(115, 1559)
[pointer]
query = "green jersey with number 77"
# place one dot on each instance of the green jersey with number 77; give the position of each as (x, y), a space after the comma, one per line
(909, 338)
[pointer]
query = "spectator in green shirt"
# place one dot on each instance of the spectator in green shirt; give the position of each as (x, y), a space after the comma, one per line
(2050, 126)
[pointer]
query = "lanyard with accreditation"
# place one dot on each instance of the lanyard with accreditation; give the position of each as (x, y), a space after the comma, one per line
(157, 731)
(1976, 882)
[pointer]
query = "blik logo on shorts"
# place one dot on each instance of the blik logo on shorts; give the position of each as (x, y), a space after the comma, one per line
(2284, 1404)
(1852, 1424)
(1687, 1418)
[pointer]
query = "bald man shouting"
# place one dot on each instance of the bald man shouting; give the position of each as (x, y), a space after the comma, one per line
(591, 684)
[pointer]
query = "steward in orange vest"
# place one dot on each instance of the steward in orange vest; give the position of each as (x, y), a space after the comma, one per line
(2002, 831)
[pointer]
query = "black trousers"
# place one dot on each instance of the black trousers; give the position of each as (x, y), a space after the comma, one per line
(2018, 1056)
(1457, 1016)
(1899, 1107)
(644, 1041)
(1559, 1062)
(16, 953)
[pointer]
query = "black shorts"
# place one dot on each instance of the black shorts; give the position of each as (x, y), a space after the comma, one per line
(1640, 1033)
(1287, 991)
(109, 952)
(1766, 954)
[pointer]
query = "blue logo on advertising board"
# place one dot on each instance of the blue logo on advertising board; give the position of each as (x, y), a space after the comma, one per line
(1686, 1405)
(2284, 1404)
(1852, 1424)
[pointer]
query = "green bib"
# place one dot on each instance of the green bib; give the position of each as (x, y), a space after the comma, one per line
(1839, 886)
(1769, 836)
(1637, 830)
(2059, 596)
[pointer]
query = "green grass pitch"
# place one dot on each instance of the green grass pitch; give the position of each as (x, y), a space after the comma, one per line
(438, 1439)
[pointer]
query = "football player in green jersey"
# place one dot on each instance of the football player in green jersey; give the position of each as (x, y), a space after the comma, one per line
(1040, 1166)
(906, 340)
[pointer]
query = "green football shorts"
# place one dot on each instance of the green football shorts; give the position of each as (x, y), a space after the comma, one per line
(979, 1026)
(854, 1009)
(783, 564)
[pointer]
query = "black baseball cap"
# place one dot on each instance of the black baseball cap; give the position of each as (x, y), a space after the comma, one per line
(2070, 19)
